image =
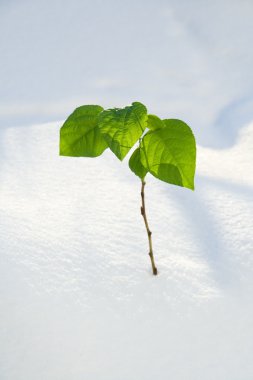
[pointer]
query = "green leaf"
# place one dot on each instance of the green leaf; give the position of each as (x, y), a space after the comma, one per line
(80, 135)
(154, 122)
(136, 166)
(122, 127)
(170, 153)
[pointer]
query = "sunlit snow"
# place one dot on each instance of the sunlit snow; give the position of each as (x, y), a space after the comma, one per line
(77, 297)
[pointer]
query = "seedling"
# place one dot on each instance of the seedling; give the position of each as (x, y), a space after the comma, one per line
(167, 150)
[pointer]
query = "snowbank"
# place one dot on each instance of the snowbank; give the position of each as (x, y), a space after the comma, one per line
(78, 300)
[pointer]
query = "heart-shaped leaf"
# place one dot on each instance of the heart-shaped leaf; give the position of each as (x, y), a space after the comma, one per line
(169, 153)
(80, 135)
(122, 127)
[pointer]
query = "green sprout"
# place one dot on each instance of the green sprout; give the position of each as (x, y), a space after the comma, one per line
(167, 150)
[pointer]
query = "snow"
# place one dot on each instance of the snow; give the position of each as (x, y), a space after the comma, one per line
(78, 300)
(77, 297)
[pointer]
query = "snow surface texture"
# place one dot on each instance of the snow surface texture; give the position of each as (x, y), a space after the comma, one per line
(78, 300)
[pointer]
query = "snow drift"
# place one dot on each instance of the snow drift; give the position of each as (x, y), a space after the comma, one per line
(78, 300)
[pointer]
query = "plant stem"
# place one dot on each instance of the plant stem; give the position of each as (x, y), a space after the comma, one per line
(143, 213)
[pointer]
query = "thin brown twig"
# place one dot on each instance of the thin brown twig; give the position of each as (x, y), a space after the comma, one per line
(143, 213)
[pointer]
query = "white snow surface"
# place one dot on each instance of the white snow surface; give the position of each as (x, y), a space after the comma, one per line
(78, 300)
